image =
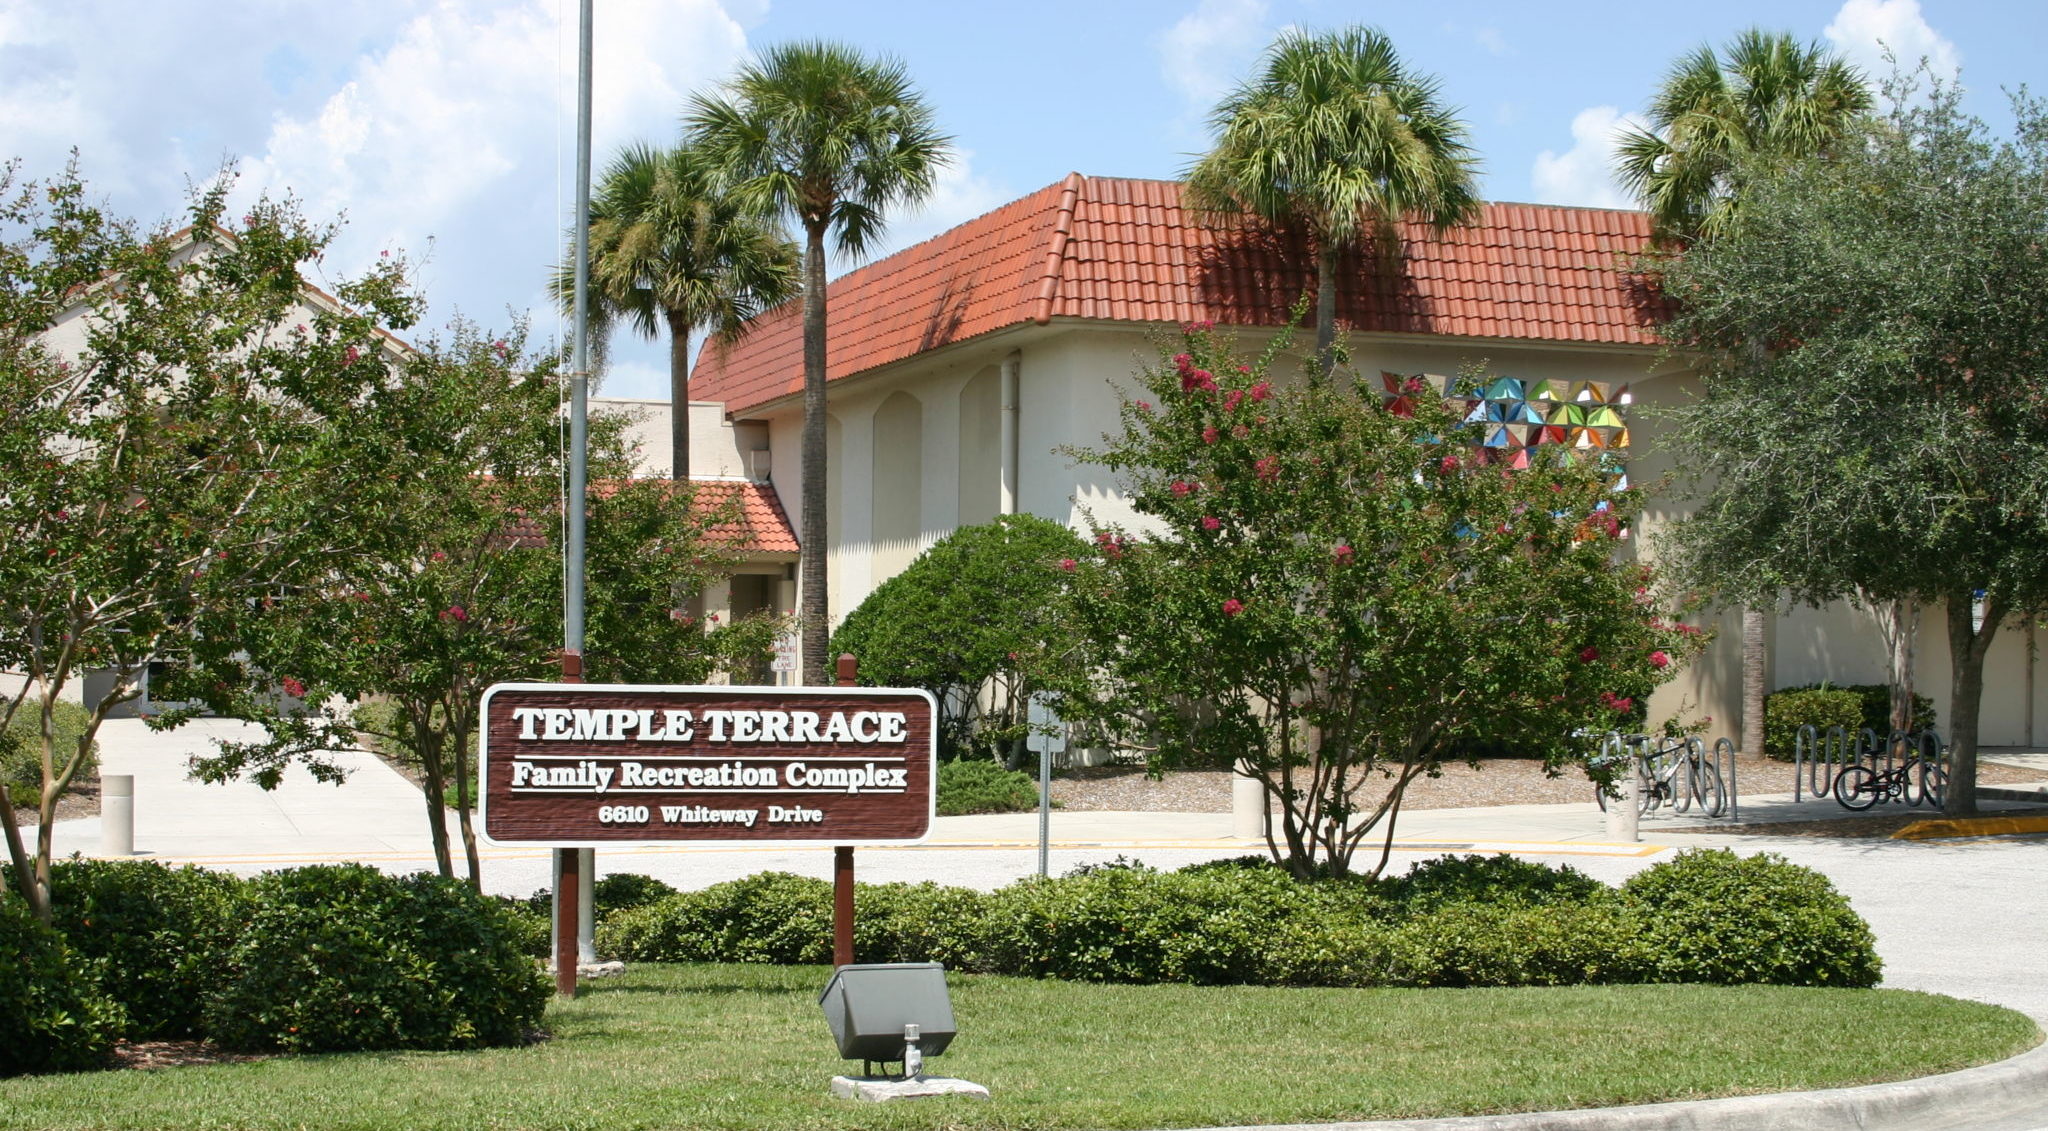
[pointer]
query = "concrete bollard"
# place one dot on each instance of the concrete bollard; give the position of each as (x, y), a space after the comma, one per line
(117, 814)
(1248, 808)
(1622, 818)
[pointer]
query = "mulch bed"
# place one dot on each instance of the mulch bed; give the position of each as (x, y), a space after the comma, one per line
(81, 800)
(175, 1054)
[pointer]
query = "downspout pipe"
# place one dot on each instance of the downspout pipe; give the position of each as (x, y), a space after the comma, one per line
(1007, 503)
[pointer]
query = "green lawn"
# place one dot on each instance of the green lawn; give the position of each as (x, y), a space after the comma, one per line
(746, 1047)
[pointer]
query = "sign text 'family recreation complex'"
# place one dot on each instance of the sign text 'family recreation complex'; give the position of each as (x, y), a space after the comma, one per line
(577, 764)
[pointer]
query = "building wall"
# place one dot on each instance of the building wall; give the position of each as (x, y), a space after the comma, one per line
(939, 416)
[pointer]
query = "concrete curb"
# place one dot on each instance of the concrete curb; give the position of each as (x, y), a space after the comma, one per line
(1970, 1098)
(1972, 826)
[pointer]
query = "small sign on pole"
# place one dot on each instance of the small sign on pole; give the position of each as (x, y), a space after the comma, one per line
(587, 763)
(785, 653)
(1047, 736)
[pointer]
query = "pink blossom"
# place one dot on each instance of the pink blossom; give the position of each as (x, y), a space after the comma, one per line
(456, 613)
(1210, 435)
(1232, 607)
(1183, 362)
(1588, 654)
(294, 688)
(360, 596)
(1412, 385)
(1232, 400)
(1244, 369)
(1067, 564)
(221, 554)
(437, 556)
(1241, 432)
(1267, 468)
(1448, 464)
(1343, 554)
(350, 355)
(1261, 391)
(1659, 660)
(1193, 379)
(1211, 522)
(1144, 406)
(1182, 488)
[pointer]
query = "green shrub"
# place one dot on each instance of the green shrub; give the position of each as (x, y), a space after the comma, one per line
(156, 933)
(21, 748)
(343, 957)
(922, 923)
(771, 917)
(1488, 879)
(977, 785)
(624, 891)
(1712, 916)
(53, 1015)
(1519, 944)
(1819, 707)
(1874, 701)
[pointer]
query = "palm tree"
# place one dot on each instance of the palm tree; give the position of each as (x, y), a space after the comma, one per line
(1336, 139)
(818, 130)
(1769, 101)
(668, 250)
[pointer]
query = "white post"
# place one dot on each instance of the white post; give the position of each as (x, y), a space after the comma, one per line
(1007, 498)
(1248, 810)
(586, 906)
(117, 814)
(1622, 818)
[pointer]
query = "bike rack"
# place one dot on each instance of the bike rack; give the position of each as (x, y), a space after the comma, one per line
(1724, 761)
(1615, 746)
(1818, 760)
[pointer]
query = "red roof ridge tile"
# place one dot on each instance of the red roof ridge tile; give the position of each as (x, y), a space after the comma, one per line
(1062, 231)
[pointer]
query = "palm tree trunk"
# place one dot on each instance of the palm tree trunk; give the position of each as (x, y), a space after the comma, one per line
(815, 614)
(1326, 307)
(1754, 660)
(1967, 647)
(678, 397)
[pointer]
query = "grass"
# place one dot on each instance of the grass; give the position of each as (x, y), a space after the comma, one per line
(746, 1047)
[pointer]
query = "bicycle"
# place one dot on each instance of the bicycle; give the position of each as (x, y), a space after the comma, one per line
(1915, 781)
(1676, 773)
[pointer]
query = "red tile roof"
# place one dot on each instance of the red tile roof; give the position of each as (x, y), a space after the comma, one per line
(1123, 250)
(760, 527)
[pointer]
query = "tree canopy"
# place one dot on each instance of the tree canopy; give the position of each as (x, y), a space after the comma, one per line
(1338, 590)
(1869, 331)
(1335, 138)
(824, 133)
(1720, 116)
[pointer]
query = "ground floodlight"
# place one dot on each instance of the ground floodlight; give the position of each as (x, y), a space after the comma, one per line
(889, 1011)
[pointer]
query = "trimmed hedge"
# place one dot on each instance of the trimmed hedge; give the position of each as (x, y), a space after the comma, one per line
(157, 935)
(53, 1015)
(1818, 707)
(1456, 921)
(978, 785)
(1712, 916)
(343, 957)
(21, 748)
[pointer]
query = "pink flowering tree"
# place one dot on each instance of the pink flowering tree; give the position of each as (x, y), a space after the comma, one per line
(1335, 597)
(180, 438)
(456, 584)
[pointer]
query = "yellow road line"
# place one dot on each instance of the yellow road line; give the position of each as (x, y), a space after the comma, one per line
(1972, 826)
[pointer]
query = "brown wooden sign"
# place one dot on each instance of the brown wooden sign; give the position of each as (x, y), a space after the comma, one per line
(590, 763)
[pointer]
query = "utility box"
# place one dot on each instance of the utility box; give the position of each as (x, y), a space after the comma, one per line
(868, 1006)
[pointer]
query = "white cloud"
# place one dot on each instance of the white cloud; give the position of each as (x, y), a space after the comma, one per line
(1583, 174)
(461, 129)
(1492, 40)
(1204, 54)
(1863, 30)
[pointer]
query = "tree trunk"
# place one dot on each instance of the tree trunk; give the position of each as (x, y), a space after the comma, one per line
(24, 870)
(812, 548)
(463, 803)
(679, 396)
(1754, 660)
(1326, 307)
(1900, 622)
(435, 792)
(1967, 648)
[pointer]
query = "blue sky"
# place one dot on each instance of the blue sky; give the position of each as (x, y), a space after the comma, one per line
(445, 128)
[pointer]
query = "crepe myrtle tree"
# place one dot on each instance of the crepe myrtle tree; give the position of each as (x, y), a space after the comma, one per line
(458, 586)
(1330, 593)
(182, 434)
